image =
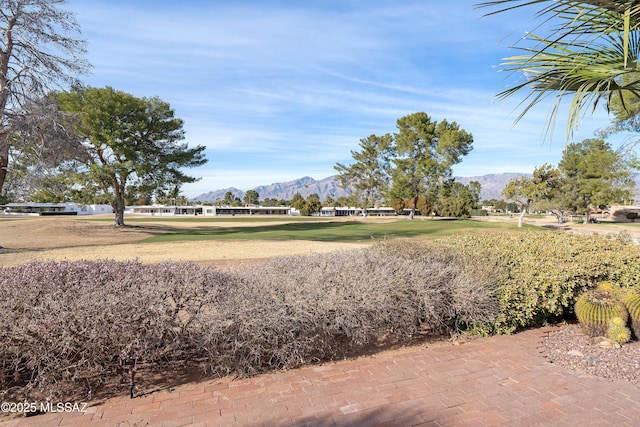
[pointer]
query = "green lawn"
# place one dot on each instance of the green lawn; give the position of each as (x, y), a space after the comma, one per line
(333, 231)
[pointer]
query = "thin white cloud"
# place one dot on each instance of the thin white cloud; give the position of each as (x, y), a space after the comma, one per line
(278, 90)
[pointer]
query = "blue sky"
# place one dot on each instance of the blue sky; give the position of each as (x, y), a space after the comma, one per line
(281, 89)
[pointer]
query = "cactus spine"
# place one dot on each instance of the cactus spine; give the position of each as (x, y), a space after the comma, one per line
(596, 308)
(618, 331)
(632, 302)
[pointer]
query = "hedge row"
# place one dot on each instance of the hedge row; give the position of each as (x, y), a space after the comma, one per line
(69, 329)
(543, 273)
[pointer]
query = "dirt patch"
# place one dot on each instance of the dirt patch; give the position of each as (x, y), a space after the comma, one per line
(25, 239)
(31, 232)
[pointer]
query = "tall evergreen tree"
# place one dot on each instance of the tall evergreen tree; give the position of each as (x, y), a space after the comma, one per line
(251, 197)
(132, 145)
(368, 176)
(426, 151)
(594, 175)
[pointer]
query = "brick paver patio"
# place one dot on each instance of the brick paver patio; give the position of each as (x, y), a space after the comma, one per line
(497, 381)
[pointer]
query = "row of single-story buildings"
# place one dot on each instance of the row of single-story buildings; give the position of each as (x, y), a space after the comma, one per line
(54, 209)
(167, 210)
(195, 210)
(162, 210)
(258, 210)
(614, 213)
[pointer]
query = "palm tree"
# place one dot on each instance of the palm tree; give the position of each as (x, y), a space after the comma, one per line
(590, 54)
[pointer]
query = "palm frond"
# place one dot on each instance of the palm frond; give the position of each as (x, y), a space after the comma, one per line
(591, 45)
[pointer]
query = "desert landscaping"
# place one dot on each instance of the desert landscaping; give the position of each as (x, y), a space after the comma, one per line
(259, 299)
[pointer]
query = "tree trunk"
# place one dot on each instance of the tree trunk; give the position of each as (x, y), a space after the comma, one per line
(521, 217)
(4, 164)
(559, 217)
(414, 205)
(118, 209)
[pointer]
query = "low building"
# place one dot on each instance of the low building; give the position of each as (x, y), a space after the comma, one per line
(624, 213)
(340, 211)
(351, 211)
(164, 210)
(248, 210)
(89, 209)
(407, 211)
(381, 211)
(33, 208)
(55, 209)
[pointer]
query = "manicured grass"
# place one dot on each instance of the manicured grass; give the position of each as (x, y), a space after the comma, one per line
(338, 231)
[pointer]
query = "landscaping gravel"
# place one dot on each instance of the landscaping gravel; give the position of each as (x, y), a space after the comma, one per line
(570, 348)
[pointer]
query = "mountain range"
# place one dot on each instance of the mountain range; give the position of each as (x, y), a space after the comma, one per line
(491, 188)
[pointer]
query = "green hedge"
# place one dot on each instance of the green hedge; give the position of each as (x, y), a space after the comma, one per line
(479, 212)
(543, 273)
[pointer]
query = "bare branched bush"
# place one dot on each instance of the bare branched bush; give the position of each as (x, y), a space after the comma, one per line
(72, 329)
(326, 306)
(69, 327)
(471, 284)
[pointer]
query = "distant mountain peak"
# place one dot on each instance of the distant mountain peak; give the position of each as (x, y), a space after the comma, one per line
(491, 188)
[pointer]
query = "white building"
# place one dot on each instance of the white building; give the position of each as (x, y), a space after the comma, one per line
(622, 213)
(350, 211)
(164, 210)
(55, 209)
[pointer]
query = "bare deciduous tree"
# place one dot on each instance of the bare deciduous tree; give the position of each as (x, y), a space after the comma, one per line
(41, 140)
(37, 54)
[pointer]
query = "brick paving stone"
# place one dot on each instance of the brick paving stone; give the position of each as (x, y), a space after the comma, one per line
(496, 381)
(217, 386)
(147, 407)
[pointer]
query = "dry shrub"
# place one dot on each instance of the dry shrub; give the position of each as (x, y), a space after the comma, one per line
(68, 328)
(469, 279)
(301, 309)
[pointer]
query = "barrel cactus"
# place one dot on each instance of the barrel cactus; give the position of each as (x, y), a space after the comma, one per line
(596, 308)
(618, 331)
(611, 288)
(632, 302)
